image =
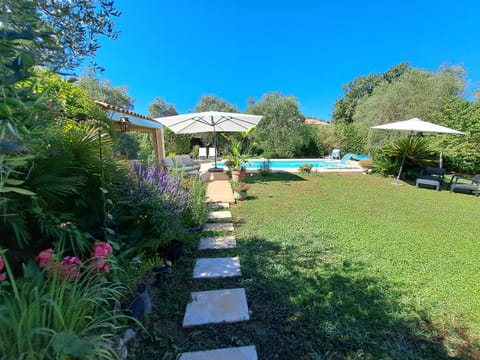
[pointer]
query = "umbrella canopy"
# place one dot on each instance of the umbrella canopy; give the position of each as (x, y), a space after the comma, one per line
(210, 121)
(416, 125)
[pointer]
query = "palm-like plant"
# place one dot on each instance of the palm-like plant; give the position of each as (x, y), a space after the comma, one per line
(417, 154)
(65, 177)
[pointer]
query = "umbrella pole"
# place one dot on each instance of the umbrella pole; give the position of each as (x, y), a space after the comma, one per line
(215, 168)
(401, 166)
(215, 144)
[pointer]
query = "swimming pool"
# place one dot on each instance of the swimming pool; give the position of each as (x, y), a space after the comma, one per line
(277, 164)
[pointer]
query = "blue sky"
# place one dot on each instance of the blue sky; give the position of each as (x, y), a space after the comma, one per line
(180, 50)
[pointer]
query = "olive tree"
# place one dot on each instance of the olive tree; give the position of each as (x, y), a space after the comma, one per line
(417, 93)
(282, 131)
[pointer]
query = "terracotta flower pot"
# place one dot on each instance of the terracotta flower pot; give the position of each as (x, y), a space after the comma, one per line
(242, 174)
(236, 175)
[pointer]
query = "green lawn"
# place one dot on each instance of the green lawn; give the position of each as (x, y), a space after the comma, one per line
(341, 267)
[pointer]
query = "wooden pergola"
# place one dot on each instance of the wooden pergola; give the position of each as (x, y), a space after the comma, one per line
(126, 120)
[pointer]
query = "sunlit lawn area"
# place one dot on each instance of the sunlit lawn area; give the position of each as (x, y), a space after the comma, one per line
(342, 267)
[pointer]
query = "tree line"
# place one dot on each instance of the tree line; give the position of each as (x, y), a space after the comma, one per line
(401, 93)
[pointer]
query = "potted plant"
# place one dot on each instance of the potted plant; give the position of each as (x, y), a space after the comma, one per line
(236, 160)
(240, 191)
(366, 165)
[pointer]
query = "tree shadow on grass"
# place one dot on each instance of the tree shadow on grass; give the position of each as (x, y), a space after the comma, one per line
(304, 303)
(277, 176)
(314, 308)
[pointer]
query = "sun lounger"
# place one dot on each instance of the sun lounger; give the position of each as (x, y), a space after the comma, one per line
(432, 177)
(202, 153)
(212, 152)
(465, 183)
(335, 154)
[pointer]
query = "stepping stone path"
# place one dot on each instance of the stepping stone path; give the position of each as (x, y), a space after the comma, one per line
(218, 227)
(217, 242)
(220, 215)
(219, 206)
(238, 353)
(216, 267)
(218, 306)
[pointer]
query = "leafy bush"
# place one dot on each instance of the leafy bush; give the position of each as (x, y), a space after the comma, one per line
(366, 164)
(306, 168)
(156, 202)
(417, 154)
(195, 213)
(51, 318)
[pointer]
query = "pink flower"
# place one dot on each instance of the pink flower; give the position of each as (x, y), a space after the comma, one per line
(102, 249)
(69, 267)
(45, 257)
(102, 264)
(3, 276)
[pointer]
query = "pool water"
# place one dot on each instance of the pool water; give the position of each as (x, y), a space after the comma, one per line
(295, 164)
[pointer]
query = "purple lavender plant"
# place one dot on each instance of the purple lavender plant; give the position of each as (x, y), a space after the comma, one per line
(166, 186)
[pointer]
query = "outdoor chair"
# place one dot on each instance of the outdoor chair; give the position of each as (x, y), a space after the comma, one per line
(212, 152)
(167, 163)
(335, 154)
(431, 176)
(202, 153)
(468, 184)
(189, 163)
(182, 163)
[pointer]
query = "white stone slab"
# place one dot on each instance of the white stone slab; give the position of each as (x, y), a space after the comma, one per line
(218, 206)
(216, 306)
(218, 227)
(238, 353)
(220, 215)
(208, 268)
(217, 242)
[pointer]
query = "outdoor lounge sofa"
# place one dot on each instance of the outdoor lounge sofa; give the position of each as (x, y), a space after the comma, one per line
(183, 162)
(431, 176)
(465, 183)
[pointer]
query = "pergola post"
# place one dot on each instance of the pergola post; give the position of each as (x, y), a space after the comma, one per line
(158, 144)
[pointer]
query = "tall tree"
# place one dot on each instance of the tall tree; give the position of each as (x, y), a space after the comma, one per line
(102, 90)
(461, 153)
(174, 143)
(214, 103)
(361, 88)
(159, 107)
(417, 93)
(56, 34)
(282, 132)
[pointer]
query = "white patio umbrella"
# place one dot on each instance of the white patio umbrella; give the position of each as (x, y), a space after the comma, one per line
(210, 121)
(415, 125)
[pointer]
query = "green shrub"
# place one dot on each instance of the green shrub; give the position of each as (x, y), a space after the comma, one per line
(50, 318)
(418, 155)
(194, 152)
(196, 211)
(305, 168)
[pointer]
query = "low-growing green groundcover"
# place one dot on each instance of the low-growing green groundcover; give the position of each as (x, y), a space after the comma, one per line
(340, 267)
